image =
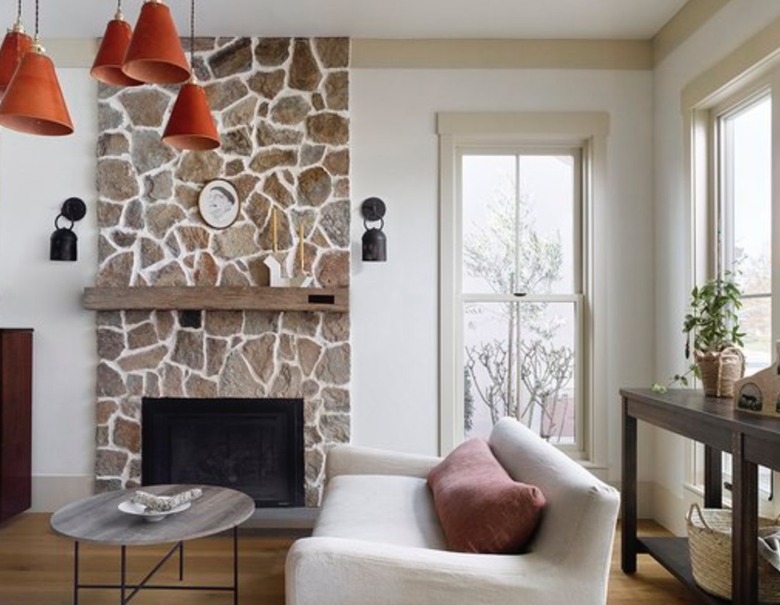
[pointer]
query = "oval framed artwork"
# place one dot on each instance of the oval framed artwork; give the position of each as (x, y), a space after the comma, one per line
(219, 204)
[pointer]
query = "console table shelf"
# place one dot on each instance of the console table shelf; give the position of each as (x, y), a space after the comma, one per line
(751, 440)
(673, 554)
(217, 298)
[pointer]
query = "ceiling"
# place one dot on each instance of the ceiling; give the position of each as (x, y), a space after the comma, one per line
(593, 19)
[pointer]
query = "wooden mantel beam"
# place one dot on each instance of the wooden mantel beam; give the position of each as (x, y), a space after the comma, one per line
(217, 298)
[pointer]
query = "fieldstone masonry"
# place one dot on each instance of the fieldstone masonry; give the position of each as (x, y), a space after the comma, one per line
(281, 107)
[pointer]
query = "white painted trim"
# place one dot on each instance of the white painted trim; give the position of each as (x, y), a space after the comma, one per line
(596, 213)
(670, 508)
(448, 313)
(587, 129)
(644, 496)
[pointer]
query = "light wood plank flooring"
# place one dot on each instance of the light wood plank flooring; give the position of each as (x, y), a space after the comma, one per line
(36, 568)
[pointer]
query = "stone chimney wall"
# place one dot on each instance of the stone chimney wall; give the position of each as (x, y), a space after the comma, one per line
(282, 111)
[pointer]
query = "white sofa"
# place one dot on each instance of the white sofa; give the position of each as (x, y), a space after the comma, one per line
(377, 540)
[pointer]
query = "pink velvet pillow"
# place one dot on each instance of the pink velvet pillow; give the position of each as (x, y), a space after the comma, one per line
(480, 507)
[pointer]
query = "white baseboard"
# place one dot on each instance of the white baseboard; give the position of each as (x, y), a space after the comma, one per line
(644, 497)
(669, 508)
(50, 492)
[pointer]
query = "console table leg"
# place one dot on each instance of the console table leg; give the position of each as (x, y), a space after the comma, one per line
(122, 575)
(629, 495)
(181, 561)
(76, 573)
(744, 551)
(713, 478)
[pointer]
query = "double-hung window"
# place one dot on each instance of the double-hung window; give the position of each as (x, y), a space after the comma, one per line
(516, 332)
(740, 239)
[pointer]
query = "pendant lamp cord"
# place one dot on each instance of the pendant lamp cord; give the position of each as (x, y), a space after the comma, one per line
(192, 33)
(37, 18)
(19, 11)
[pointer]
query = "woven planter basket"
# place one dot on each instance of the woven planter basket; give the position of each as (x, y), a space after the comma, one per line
(720, 370)
(709, 542)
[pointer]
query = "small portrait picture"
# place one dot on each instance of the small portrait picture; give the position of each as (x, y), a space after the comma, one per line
(218, 203)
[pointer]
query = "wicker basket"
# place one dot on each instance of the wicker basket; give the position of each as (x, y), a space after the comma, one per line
(720, 370)
(709, 541)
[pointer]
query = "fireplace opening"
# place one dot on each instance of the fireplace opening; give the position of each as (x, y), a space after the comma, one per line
(252, 445)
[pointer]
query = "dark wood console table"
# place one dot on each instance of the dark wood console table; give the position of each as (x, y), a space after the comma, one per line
(751, 440)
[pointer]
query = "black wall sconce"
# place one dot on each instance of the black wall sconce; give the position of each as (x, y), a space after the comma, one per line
(63, 243)
(374, 240)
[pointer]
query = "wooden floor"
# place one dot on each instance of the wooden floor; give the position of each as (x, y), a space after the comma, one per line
(36, 568)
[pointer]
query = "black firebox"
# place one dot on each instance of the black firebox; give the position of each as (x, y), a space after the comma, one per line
(252, 445)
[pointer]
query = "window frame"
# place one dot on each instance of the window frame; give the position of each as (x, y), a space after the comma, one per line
(709, 233)
(466, 131)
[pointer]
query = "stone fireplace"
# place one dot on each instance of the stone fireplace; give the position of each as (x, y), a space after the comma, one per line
(281, 107)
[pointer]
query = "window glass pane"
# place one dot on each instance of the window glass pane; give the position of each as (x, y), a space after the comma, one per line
(518, 223)
(489, 187)
(546, 221)
(755, 319)
(749, 155)
(520, 362)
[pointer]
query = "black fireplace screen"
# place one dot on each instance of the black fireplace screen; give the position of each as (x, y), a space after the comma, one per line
(252, 445)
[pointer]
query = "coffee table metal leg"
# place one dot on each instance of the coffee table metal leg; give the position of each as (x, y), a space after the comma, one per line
(235, 565)
(123, 579)
(181, 561)
(76, 573)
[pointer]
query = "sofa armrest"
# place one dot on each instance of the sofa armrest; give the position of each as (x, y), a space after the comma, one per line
(355, 460)
(338, 571)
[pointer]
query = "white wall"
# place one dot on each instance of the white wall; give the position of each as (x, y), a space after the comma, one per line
(394, 318)
(36, 175)
(395, 304)
(729, 28)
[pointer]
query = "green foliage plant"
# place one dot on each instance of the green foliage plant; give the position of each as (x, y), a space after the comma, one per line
(712, 322)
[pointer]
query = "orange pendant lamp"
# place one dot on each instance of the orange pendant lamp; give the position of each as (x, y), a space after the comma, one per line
(155, 54)
(15, 44)
(191, 125)
(33, 102)
(107, 67)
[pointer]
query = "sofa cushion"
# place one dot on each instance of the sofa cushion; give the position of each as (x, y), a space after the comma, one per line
(480, 507)
(390, 509)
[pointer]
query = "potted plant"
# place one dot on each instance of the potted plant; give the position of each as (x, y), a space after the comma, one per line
(714, 324)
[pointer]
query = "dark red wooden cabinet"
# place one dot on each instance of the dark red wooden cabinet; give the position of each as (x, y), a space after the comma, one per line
(15, 421)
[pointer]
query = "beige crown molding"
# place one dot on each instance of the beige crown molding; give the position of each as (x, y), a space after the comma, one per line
(452, 53)
(750, 60)
(682, 25)
(370, 53)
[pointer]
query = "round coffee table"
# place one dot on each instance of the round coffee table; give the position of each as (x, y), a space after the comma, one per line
(98, 519)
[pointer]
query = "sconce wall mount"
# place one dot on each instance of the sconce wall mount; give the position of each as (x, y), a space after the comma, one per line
(63, 244)
(374, 240)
